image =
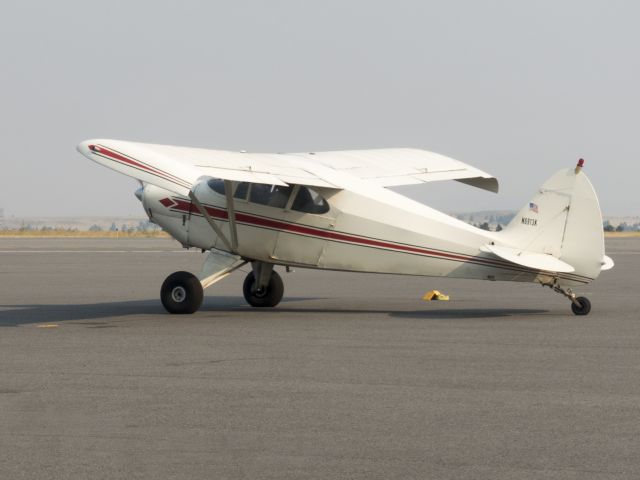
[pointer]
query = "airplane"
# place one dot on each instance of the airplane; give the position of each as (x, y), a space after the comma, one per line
(335, 211)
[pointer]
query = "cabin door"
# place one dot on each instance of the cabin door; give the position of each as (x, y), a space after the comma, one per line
(307, 224)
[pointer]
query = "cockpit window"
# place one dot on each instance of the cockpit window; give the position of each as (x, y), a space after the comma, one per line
(216, 185)
(309, 201)
(270, 195)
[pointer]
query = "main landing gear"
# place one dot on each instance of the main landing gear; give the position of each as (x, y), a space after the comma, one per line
(183, 292)
(579, 305)
(263, 286)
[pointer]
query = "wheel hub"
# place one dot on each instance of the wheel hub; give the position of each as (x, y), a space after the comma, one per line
(260, 292)
(178, 294)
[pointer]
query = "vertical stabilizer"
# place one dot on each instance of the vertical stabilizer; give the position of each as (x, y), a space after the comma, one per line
(563, 220)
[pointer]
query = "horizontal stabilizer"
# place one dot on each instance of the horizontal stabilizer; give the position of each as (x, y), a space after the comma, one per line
(607, 263)
(537, 261)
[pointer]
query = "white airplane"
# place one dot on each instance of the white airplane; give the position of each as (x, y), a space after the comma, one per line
(334, 211)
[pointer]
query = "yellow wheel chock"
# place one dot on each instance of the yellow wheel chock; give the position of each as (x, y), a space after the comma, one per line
(435, 295)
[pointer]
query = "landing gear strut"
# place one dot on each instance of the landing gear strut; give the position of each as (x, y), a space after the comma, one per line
(263, 286)
(579, 305)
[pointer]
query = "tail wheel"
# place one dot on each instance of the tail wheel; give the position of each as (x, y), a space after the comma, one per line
(584, 308)
(181, 293)
(269, 296)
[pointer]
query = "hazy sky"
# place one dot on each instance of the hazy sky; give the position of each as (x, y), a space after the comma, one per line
(517, 88)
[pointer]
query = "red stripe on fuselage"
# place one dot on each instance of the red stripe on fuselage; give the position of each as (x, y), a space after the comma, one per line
(167, 202)
(221, 214)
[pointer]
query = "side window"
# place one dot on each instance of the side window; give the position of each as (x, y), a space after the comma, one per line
(270, 195)
(279, 196)
(259, 193)
(241, 191)
(309, 201)
(216, 185)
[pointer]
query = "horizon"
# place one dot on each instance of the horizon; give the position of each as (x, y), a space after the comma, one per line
(137, 217)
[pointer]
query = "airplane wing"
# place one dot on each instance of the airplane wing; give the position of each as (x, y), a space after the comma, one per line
(178, 168)
(391, 167)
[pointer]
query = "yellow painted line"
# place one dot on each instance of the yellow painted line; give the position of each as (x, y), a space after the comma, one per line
(48, 325)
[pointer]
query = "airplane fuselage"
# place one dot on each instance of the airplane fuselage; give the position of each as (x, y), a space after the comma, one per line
(413, 239)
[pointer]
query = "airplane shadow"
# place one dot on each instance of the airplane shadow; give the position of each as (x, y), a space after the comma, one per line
(487, 313)
(14, 315)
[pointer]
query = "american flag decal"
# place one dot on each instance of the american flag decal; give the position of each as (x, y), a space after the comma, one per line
(533, 207)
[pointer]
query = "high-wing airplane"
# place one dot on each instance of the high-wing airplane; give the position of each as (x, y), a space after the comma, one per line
(334, 210)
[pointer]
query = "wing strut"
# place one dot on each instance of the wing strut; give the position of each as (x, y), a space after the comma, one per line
(211, 222)
(231, 213)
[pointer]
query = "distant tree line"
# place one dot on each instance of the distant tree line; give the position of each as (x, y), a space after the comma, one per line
(143, 226)
(45, 228)
(621, 227)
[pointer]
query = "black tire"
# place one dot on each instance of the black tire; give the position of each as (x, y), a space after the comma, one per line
(584, 308)
(271, 295)
(181, 293)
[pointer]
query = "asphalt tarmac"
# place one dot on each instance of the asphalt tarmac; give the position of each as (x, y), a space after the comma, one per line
(352, 376)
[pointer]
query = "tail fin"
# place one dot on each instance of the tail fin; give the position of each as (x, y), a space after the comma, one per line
(563, 220)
